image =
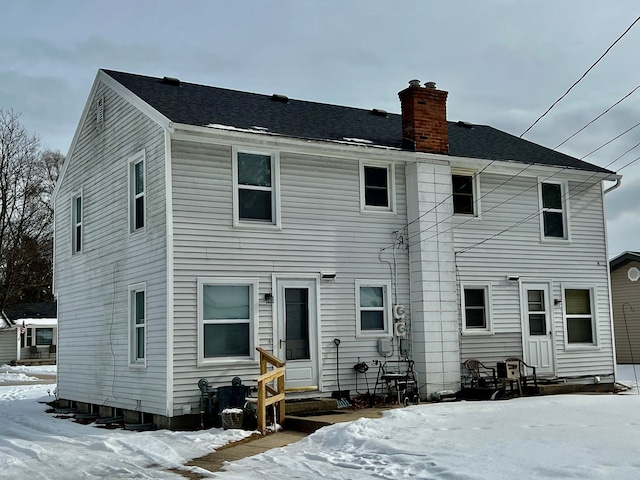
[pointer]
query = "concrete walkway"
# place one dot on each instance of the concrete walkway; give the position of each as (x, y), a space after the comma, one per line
(298, 427)
(42, 379)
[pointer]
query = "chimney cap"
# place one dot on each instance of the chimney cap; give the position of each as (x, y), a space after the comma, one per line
(430, 85)
(414, 83)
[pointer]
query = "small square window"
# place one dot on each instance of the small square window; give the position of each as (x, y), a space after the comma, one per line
(463, 194)
(476, 309)
(372, 308)
(376, 187)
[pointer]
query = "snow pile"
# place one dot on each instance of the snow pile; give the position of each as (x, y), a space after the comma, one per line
(552, 437)
(36, 369)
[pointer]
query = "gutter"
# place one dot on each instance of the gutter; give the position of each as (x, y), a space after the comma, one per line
(614, 186)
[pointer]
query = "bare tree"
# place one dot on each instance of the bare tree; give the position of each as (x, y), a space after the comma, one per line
(27, 178)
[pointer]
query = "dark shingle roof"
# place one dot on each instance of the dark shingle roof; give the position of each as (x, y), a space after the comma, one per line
(32, 310)
(622, 259)
(200, 105)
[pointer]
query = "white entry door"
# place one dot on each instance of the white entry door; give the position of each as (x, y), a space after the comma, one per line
(538, 327)
(296, 336)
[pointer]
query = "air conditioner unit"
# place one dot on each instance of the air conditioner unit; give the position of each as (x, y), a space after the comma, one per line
(400, 329)
(398, 312)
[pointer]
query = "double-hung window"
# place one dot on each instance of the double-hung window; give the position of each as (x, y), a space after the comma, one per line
(256, 182)
(76, 215)
(464, 194)
(580, 317)
(137, 324)
(137, 188)
(227, 310)
(553, 210)
(372, 308)
(476, 309)
(376, 187)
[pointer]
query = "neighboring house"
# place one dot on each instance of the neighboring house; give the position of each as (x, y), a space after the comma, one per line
(23, 326)
(193, 224)
(625, 298)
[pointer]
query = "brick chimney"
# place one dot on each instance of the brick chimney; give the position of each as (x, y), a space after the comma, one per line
(424, 118)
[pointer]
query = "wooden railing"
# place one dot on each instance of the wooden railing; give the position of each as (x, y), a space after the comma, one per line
(277, 394)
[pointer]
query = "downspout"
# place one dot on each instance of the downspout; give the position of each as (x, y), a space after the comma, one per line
(614, 186)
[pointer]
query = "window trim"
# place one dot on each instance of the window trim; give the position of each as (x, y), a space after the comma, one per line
(475, 185)
(254, 319)
(275, 189)
(134, 361)
(391, 183)
(132, 161)
(386, 308)
(75, 225)
(35, 336)
(595, 345)
(564, 195)
(488, 297)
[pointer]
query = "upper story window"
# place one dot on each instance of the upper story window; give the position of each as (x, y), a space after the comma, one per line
(227, 323)
(372, 305)
(137, 329)
(579, 313)
(464, 194)
(376, 187)
(137, 188)
(76, 214)
(554, 210)
(476, 309)
(256, 182)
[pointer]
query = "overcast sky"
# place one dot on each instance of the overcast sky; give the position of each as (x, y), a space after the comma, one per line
(503, 62)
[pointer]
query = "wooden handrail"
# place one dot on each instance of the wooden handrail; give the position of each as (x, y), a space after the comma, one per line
(277, 394)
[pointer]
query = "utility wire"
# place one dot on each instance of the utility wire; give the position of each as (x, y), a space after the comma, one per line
(580, 79)
(540, 118)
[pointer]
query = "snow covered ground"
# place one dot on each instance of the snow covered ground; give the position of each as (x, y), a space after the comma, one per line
(553, 437)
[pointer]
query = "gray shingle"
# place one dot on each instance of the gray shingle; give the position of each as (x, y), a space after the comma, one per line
(200, 105)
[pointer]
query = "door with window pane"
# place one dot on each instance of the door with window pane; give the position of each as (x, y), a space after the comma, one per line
(296, 337)
(538, 327)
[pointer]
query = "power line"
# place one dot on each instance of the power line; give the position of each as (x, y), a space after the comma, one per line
(580, 79)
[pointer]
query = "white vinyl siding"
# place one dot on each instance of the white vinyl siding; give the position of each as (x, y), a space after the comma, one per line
(93, 288)
(377, 186)
(323, 230)
(511, 208)
(373, 303)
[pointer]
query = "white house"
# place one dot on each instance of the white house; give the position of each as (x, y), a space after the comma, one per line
(194, 223)
(28, 331)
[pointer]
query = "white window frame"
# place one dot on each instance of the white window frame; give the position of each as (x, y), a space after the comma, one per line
(564, 195)
(274, 189)
(595, 345)
(253, 285)
(132, 161)
(35, 336)
(134, 360)
(386, 308)
(75, 225)
(475, 185)
(488, 328)
(391, 182)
